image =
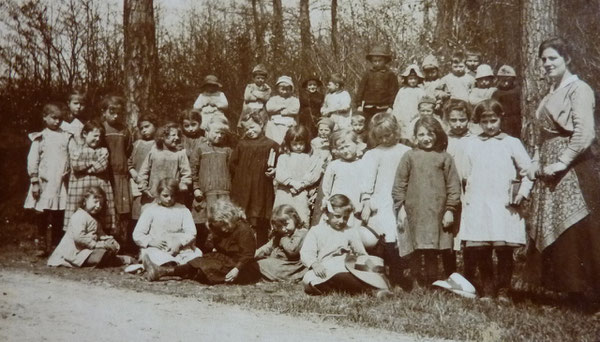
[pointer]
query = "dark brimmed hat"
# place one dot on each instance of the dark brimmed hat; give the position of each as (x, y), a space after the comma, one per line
(312, 77)
(211, 80)
(381, 51)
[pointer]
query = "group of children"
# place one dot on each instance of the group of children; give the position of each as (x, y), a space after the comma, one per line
(346, 197)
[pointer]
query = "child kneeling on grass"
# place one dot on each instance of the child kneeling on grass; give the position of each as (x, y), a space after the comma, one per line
(229, 250)
(84, 243)
(336, 258)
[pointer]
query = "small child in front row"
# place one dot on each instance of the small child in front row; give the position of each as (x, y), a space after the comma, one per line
(165, 231)
(496, 163)
(296, 172)
(279, 259)
(332, 244)
(191, 121)
(338, 103)
(165, 160)
(89, 167)
(48, 168)
(428, 187)
(210, 173)
(118, 141)
(252, 166)
(141, 148)
(85, 243)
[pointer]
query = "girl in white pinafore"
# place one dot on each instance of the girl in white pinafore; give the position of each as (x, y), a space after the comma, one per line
(490, 220)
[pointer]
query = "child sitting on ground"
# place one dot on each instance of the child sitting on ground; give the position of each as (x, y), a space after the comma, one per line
(279, 259)
(212, 100)
(85, 243)
(165, 231)
(330, 246)
(229, 251)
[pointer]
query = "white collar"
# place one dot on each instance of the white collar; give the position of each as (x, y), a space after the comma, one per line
(566, 82)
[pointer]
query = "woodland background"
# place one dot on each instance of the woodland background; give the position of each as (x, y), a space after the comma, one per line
(47, 47)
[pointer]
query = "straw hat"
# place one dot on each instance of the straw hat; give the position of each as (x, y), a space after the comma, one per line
(506, 70)
(412, 68)
(286, 80)
(369, 269)
(458, 284)
(484, 70)
(260, 69)
(211, 80)
(379, 51)
(430, 61)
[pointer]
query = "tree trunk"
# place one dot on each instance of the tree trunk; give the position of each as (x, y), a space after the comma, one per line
(334, 28)
(259, 34)
(540, 20)
(277, 40)
(305, 35)
(140, 57)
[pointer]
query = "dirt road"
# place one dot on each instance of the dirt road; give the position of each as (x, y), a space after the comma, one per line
(42, 308)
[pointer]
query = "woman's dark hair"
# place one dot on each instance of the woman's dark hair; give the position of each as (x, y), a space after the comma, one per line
(296, 133)
(560, 45)
(431, 124)
(458, 105)
(163, 132)
(487, 106)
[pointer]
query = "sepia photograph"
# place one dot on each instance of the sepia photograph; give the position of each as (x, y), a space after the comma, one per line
(299, 170)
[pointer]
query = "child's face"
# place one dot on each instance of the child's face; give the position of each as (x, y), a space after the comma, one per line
(284, 90)
(53, 118)
(425, 138)
(92, 138)
(165, 198)
(484, 82)
(210, 88)
(426, 109)
(385, 138)
(324, 131)
(112, 114)
(347, 149)
(431, 74)
(378, 61)
(506, 82)
(190, 127)
(172, 140)
(458, 122)
(92, 204)
(472, 62)
(260, 80)
(338, 219)
(312, 87)
(147, 130)
(287, 228)
(76, 106)
(490, 124)
(332, 87)
(358, 126)
(412, 81)
(458, 68)
(216, 136)
(297, 146)
(253, 129)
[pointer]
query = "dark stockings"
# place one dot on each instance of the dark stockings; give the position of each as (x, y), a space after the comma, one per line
(49, 229)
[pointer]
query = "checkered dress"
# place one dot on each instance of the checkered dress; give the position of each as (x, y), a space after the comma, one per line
(89, 168)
